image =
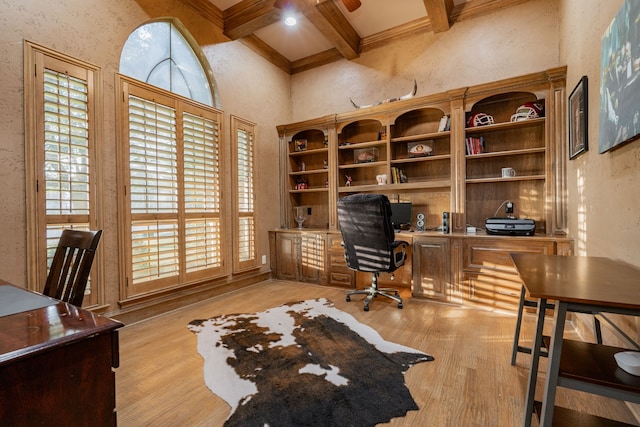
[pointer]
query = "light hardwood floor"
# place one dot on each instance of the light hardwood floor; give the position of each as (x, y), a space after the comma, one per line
(470, 383)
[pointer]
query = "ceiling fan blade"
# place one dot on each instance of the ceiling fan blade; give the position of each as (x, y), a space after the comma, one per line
(351, 5)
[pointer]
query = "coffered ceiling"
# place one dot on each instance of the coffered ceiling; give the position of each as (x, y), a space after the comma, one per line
(326, 31)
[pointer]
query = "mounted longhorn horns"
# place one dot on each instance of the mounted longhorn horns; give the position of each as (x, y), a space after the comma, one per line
(386, 101)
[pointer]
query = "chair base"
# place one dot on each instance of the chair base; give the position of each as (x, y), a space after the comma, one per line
(373, 291)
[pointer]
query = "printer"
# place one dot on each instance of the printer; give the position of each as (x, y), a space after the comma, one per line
(510, 226)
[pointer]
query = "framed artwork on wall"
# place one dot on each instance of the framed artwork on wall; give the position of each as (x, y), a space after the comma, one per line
(578, 116)
(619, 114)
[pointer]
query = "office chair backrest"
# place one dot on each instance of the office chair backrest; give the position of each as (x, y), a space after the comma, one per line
(367, 231)
(71, 265)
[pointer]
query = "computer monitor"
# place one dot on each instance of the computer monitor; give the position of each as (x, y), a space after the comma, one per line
(401, 215)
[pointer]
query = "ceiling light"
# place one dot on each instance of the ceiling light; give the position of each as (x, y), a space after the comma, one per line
(290, 21)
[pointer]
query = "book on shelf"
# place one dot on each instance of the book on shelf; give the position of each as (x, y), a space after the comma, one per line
(445, 123)
(398, 176)
(474, 145)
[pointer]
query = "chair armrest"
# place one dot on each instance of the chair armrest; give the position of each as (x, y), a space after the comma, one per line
(399, 253)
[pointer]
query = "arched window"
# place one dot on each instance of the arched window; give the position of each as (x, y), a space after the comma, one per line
(170, 163)
(163, 54)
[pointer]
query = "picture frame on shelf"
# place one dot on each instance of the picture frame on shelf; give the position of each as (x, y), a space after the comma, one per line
(578, 118)
(300, 145)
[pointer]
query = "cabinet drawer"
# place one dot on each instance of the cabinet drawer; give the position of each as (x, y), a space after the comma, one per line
(337, 260)
(493, 254)
(343, 278)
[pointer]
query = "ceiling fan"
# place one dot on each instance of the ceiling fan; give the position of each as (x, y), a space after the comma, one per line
(351, 5)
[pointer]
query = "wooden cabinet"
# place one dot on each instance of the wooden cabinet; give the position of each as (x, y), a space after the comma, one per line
(305, 180)
(299, 256)
(431, 267)
(490, 279)
(472, 270)
(338, 273)
(519, 145)
(346, 153)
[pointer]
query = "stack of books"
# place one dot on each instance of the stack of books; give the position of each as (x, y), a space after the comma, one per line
(474, 145)
(398, 176)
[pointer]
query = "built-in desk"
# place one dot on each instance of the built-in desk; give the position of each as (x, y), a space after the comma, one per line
(56, 362)
(468, 269)
(586, 285)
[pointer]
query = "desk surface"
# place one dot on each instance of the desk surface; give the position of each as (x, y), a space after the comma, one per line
(582, 280)
(39, 327)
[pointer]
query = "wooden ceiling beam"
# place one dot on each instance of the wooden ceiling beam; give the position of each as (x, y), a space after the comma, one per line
(248, 16)
(439, 12)
(330, 21)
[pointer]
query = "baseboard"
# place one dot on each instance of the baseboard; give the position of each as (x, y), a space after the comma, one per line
(168, 302)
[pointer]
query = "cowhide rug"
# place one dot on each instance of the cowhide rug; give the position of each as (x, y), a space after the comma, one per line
(304, 364)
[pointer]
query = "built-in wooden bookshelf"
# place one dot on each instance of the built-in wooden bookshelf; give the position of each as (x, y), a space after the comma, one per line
(368, 150)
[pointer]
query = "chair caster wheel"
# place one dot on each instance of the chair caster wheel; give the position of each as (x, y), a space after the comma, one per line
(348, 298)
(366, 308)
(399, 305)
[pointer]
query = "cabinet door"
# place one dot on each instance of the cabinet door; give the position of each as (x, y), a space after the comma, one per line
(287, 245)
(312, 258)
(490, 277)
(431, 268)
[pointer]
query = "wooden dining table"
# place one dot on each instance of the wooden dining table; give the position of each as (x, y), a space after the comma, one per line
(57, 362)
(584, 285)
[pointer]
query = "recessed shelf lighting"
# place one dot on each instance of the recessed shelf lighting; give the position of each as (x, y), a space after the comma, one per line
(290, 21)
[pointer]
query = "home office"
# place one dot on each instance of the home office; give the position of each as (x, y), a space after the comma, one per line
(596, 206)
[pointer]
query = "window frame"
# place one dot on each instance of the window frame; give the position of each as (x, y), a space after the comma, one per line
(239, 265)
(37, 58)
(130, 292)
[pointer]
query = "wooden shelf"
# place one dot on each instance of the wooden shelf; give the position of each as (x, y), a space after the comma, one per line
(309, 152)
(505, 153)
(506, 125)
(595, 364)
(310, 190)
(362, 144)
(309, 172)
(421, 137)
(501, 179)
(568, 417)
(392, 188)
(421, 159)
(362, 165)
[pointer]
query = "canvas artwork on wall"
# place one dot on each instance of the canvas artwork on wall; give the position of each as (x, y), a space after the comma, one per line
(619, 119)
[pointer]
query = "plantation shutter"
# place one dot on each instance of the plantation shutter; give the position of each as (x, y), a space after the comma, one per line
(245, 239)
(174, 196)
(153, 190)
(66, 156)
(202, 192)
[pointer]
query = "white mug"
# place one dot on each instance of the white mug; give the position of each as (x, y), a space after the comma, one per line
(508, 172)
(382, 179)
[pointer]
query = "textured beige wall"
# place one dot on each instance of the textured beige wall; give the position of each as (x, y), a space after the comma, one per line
(95, 31)
(515, 41)
(604, 191)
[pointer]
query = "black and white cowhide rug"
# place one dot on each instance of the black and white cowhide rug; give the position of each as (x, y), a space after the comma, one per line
(304, 364)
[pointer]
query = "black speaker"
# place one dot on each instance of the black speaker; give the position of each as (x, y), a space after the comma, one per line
(420, 222)
(445, 222)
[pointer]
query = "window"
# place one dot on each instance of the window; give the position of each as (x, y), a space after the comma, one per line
(171, 170)
(169, 162)
(245, 256)
(61, 163)
(163, 54)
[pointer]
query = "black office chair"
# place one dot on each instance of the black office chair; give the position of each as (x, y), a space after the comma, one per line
(369, 241)
(71, 265)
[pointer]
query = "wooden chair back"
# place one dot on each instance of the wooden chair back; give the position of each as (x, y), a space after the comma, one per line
(71, 265)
